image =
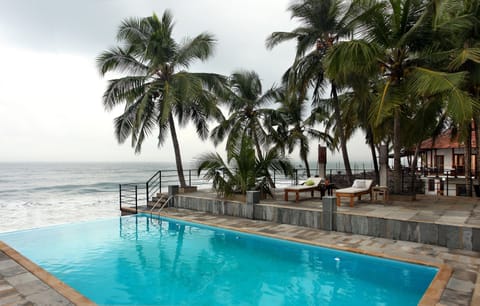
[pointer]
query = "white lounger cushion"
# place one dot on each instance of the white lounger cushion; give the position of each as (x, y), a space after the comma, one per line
(358, 186)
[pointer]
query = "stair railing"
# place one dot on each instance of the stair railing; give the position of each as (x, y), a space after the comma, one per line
(128, 195)
(163, 205)
(153, 185)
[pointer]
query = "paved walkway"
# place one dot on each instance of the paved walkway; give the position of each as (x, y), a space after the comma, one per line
(440, 210)
(24, 283)
(426, 208)
(20, 287)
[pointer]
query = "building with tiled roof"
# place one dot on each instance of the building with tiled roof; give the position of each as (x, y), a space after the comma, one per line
(445, 153)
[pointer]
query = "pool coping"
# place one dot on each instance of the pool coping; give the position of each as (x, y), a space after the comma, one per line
(53, 282)
(431, 296)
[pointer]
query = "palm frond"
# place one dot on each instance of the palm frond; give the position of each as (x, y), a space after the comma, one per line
(277, 38)
(134, 31)
(461, 56)
(123, 90)
(361, 64)
(198, 48)
(120, 60)
(427, 82)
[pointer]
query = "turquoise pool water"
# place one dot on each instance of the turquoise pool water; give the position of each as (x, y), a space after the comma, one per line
(150, 261)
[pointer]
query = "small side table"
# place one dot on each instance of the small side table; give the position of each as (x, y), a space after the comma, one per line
(380, 190)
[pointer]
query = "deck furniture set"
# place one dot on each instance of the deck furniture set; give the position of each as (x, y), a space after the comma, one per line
(360, 187)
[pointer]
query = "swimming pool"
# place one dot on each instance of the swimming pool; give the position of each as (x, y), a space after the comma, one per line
(144, 260)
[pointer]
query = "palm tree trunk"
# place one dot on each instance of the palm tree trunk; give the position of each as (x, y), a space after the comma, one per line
(307, 167)
(304, 157)
(468, 162)
(397, 166)
(176, 147)
(413, 167)
(374, 154)
(343, 140)
(477, 149)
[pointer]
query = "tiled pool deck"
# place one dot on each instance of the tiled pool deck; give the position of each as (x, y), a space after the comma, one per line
(24, 283)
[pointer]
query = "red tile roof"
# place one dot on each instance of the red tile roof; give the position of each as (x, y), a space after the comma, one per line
(445, 141)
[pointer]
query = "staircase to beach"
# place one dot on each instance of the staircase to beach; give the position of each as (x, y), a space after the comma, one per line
(152, 194)
(157, 200)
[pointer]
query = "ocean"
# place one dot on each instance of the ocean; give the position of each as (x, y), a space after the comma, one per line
(40, 194)
(36, 194)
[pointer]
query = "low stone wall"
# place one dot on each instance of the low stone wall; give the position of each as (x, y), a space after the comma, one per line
(285, 215)
(454, 237)
(215, 206)
(450, 236)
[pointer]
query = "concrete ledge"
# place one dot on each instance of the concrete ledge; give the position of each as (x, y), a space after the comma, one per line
(213, 206)
(188, 189)
(450, 236)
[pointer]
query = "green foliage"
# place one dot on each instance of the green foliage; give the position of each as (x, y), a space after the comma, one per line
(246, 103)
(242, 171)
(156, 87)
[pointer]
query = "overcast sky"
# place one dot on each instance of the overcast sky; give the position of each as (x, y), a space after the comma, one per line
(50, 90)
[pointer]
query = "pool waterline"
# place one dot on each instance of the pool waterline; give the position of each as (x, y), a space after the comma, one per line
(443, 269)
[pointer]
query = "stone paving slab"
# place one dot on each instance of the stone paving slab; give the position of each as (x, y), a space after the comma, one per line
(24, 283)
(460, 211)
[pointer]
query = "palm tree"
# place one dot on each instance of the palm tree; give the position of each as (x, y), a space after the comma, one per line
(323, 23)
(396, 37)
(156, 86)
(463, 48)
(242, 171)
(290, 128)
(246, 112)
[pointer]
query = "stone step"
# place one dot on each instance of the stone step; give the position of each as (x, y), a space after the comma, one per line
(162, 197)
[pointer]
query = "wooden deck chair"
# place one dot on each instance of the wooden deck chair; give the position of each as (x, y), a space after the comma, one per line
(310, 185)
(358, 188)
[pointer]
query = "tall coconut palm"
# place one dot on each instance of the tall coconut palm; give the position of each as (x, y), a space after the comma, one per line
(156, 87)
(291, 127)
(322, 24)
(396, 37)
(462, 29)
(246, 103)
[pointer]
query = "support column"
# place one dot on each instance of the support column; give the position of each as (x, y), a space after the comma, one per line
(172, 191)
(383, 166)
(322, 162)
(253, 197)
(329, 213)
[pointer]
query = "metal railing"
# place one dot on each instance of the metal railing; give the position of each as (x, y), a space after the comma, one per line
(163, 178)
(153, 185)
(162, 206)
(128, 194)
(132, 194)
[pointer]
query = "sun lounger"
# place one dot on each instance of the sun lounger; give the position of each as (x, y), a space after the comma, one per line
(310, 185)
(358, 188)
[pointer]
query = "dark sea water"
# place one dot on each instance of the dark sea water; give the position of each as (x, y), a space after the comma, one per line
(40, 194)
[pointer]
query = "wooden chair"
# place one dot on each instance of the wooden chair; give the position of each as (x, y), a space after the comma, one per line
(359, 188)
(304, 187)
